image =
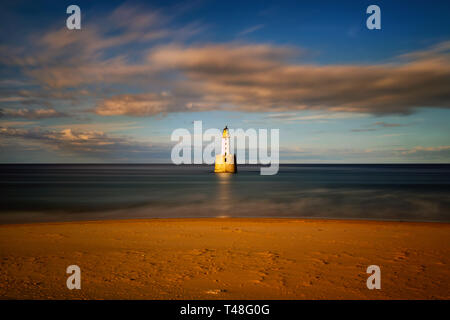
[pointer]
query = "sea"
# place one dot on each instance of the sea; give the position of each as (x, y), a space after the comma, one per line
(79, 192)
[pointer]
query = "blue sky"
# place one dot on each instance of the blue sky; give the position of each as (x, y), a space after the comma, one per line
(116, 89)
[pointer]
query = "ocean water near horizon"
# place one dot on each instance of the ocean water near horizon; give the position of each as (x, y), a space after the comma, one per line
(74, 192)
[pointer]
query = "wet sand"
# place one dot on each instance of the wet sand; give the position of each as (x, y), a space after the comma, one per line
(225, 259)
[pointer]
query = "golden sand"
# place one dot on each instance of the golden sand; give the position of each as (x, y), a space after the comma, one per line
(225, 259)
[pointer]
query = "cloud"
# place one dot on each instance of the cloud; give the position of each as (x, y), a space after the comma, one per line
(378, 125)
(314, 117)
(418, 154)
(67, 69)
(260, 78)
(221, 59)
(31, 114)
(88, 144)
(139, 105)
(363, 130)
(388, 125)
(60, 58)
(12, 99)
(126, 59)
(251, 30)
(420, 149)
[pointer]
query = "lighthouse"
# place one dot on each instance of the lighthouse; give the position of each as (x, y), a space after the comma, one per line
(225, 162)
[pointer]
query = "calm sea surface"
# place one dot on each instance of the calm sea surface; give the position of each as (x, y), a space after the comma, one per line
(32, 193)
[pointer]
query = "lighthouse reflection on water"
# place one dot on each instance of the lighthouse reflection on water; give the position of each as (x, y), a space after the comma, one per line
(224, 195)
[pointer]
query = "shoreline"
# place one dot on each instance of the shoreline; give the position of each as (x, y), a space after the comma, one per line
(225, 258)
(269, 218)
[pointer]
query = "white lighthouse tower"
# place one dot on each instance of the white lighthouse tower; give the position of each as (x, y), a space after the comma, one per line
(225, 142)
(225, 162)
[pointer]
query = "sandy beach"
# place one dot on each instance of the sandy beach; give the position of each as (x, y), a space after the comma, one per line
(228, 258)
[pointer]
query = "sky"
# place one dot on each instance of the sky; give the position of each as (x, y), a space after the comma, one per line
(114, 91)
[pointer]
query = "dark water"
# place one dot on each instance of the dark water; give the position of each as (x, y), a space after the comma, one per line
(81, 192)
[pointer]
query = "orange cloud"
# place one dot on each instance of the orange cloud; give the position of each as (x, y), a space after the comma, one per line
(31, 113)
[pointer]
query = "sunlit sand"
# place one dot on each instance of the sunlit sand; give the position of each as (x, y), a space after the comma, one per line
(226, 258)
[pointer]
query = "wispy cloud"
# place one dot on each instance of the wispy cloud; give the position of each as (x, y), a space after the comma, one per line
(251, 29)
(400, 155)
(88, 143)
(420, 149)
(379, 125)
(363, 130)
(286, 116)
(31, 113)
(389, 125)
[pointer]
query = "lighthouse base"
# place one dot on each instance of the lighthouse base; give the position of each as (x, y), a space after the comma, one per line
(225, 164)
